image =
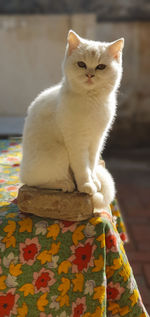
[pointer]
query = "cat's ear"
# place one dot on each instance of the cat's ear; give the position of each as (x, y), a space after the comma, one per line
(116, 48)
(73, 41)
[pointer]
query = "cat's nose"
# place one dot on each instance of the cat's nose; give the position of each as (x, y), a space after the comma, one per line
(90, 75)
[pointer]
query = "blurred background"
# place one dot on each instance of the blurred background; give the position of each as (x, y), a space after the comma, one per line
(32, 43)
(33, 38)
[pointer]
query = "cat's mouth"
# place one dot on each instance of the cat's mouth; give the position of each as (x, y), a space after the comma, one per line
(89, 81)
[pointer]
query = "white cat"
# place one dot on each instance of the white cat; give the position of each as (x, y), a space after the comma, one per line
(67, 124)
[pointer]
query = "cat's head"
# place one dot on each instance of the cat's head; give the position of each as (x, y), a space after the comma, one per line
(91, 64)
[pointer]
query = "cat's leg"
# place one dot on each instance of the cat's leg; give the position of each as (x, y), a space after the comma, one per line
(94, 158)
(48, 169)
(79, 162)
(65, 185)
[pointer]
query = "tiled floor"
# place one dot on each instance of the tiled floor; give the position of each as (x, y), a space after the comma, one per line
(132, 178)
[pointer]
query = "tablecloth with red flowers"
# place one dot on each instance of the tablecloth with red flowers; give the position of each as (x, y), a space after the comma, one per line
(51, 268)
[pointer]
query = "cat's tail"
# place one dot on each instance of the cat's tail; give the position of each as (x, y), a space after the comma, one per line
(103, 198)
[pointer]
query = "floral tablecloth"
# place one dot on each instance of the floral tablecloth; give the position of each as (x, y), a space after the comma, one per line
(51, 268)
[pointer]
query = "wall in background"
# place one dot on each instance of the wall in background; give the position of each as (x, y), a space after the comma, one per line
(118, 10)
(32, 48)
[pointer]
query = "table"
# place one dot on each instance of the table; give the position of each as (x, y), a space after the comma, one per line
(57, 268)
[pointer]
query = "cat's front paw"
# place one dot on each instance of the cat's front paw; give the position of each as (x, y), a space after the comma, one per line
(96, 182)
(88, 188)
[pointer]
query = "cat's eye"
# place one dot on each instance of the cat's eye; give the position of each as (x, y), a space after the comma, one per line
(101, 66)
(81, 64)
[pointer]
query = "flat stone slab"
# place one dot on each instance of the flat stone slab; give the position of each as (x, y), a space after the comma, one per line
(55, 204)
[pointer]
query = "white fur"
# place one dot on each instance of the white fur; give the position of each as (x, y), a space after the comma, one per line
(107, 194)
(67, 124)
